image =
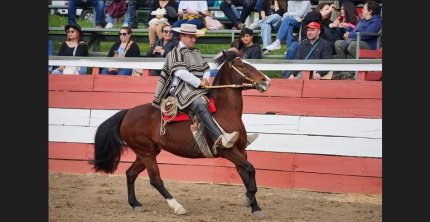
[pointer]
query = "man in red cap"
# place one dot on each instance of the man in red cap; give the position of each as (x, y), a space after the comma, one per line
(313, 47)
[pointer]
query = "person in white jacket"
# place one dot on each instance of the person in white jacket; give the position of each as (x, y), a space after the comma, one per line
(291, 19)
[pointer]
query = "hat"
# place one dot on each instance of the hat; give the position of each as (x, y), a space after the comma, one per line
(314, 25)
(75, 26)
(190, 29)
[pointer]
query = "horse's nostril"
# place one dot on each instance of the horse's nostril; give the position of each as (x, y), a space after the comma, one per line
(264, 79)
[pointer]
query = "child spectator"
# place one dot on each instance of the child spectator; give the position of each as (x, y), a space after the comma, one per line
(125, 47)
(347, 19)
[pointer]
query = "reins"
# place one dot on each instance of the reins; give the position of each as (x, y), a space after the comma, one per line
(244, 85)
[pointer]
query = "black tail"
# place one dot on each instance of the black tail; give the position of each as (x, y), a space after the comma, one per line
(108, 144)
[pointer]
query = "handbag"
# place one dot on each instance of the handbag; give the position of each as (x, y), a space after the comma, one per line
(71, 70)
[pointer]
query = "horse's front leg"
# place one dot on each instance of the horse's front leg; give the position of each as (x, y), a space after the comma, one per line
(247, 172)
(155, 181)
(132, 172)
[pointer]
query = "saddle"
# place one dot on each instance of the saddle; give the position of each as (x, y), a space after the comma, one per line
(182, 116)
(171, 113)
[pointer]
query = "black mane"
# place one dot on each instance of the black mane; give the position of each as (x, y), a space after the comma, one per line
(230, 55)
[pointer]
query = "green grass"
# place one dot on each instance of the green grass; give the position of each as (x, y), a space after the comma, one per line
(61, 21)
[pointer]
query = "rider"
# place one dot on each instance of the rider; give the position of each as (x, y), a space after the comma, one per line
(184, 75)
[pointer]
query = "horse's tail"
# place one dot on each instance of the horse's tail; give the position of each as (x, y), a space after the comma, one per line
(108, 144)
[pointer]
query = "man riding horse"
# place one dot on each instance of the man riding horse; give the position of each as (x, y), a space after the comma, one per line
(185, 75)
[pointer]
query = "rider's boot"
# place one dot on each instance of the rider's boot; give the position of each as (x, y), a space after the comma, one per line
(251, 137)
(221, 140)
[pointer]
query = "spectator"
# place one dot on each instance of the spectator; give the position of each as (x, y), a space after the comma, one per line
(247, 7)
(313, 47)
(163, 46)
(125, 47)
(190, 13)
(171, 15)
(250, 50)
(50, 52)
(99, 5)
(291, 19)
(131, 14)
(73, 46)
(271, 16)
(370, 22)
(347, 20)
(116, 9)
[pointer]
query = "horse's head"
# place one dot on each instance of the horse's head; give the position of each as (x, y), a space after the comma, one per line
(235, 70)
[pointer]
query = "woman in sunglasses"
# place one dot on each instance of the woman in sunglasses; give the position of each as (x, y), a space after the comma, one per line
(125, 47)
(163, 45)
(73, 46)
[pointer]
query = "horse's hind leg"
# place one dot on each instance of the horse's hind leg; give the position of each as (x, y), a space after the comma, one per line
(132, 172)
(155, 181)
(247, 172)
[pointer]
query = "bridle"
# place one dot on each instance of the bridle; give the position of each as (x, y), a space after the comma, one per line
(243, 85)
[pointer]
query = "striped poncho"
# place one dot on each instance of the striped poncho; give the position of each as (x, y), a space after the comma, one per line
(180, 58)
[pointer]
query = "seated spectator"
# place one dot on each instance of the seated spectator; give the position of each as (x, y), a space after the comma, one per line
(321, 14)
(248, 6)
(116, 9)
(271, 16)
(347, 20)
(163, 46)
(190, 13)
(313, 47)
(370, 22)
(50, 52)
(292, 19)
(249, 49)
(125, 47)
(170, 17)
(99, 5)
(73, 46)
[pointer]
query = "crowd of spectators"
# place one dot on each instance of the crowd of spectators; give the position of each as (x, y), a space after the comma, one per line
(326, 31)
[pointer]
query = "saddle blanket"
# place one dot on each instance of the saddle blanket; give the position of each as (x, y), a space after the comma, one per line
(180, 116)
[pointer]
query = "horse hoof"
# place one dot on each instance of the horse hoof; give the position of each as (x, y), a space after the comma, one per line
(138, 209)
(246, 201)
(180, 211)
(258, 214)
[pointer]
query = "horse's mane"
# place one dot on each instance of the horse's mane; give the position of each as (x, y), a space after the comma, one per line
(230, 55)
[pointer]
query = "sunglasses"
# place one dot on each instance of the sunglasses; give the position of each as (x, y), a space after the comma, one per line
(71, 31)
(122, 33)
(168, 31)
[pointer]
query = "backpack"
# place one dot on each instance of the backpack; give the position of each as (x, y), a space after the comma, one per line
(117, 9)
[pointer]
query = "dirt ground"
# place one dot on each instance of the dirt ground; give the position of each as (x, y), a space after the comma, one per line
(101, 197)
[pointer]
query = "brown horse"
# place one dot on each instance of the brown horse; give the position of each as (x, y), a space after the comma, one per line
(139, 128)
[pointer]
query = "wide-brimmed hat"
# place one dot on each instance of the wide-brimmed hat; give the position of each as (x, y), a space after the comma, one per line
(75, 26)
(190, 29)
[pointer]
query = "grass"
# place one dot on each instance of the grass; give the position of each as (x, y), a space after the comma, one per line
(61, 21)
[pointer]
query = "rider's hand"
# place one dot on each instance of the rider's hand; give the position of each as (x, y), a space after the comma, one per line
(204, 82)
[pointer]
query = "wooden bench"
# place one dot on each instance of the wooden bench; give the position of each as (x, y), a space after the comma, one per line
(93, 36)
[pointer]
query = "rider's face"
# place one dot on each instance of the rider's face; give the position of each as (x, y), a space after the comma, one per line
(188, 40)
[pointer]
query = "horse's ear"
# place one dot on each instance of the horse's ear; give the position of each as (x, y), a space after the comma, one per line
(223, 53)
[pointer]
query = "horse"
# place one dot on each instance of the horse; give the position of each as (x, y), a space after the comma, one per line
(139, 129)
